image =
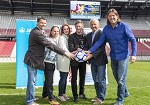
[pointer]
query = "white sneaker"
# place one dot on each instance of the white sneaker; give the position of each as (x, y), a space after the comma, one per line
(118, 103)
(98, 101)
(33, 103)
(65, 96)
(94, 99)
(61, 98)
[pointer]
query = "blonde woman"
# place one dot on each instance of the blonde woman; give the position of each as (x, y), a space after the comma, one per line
(63, 62)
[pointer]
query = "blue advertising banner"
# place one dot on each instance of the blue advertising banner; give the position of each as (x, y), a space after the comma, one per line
(23, 28)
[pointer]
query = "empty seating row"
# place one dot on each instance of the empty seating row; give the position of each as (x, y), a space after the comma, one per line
(137, 33)
(9, 21)
(148, 43)
(6, 48)
(141, 33)
(142, 50)
(7, 31)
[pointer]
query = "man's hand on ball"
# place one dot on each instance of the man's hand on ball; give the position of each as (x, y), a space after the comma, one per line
(87, 52)
(88, 56)
(69, 55)
(79, 49)
(74, 52)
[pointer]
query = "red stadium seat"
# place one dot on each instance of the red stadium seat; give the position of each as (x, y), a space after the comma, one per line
(6, 48)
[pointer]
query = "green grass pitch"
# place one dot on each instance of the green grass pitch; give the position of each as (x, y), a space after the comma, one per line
(138, 84)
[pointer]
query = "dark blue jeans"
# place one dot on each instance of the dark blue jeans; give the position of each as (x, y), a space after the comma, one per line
(119, 69)
(99, 78)
(31, 84)
(62, 83)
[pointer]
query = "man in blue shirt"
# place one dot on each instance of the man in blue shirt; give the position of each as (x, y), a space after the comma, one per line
(118, 34)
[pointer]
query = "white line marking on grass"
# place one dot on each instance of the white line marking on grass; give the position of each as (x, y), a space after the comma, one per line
(139, 87)
(21, 93)
(12, 94)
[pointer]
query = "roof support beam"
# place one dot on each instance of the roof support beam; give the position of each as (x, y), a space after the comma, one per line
(31, 1)
(11, 5)
(51, 5)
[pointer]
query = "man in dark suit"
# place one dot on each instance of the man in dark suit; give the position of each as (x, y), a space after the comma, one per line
(34, 57)
(98, 62)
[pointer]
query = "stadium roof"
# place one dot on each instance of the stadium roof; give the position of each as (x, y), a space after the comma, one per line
(132, 8)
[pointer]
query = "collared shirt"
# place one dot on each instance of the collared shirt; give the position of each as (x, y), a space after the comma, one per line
(93, 36)
(42, 30)
(118, 38)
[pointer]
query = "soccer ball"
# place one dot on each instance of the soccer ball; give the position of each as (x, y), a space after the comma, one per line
(80, 56)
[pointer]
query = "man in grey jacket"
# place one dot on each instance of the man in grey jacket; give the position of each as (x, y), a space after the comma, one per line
(34, 57)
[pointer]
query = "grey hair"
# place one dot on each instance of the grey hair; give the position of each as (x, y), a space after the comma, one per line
(96, 20)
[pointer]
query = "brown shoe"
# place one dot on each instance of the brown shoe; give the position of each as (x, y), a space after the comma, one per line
(53, 102)
(98, 101)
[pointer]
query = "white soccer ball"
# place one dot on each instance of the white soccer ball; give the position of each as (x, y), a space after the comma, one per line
(80, 56)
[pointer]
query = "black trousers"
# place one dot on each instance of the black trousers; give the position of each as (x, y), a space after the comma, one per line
(82, 71)
(48, 83)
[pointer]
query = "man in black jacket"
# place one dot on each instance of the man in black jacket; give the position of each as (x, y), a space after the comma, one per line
(98, 62)
(76, 41)
(34, 57)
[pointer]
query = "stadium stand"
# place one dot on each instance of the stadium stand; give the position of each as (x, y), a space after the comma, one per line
(135, 13)
(8, 29)
(8, 32)
(142, 49)
(6, 48)
(148, 43)
(141, 33)
(137, 24)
